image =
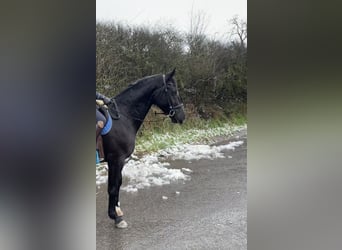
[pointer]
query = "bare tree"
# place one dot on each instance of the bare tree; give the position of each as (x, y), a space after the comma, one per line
(197, 30)
(239, 29)
(198, 23)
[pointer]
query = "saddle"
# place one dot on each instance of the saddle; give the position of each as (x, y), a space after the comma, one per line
(112, 108)
(111, 112)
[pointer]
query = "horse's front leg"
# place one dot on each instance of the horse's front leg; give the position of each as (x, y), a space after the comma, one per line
(114, 182)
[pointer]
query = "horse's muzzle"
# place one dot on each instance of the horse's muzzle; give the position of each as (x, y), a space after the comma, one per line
(178, 117)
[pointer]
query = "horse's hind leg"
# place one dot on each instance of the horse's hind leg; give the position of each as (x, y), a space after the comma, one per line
(114, 182)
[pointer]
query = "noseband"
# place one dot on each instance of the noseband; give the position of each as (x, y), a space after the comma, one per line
(173, 109)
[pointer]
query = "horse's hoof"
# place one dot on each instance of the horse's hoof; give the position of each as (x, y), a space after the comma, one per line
(121, 224)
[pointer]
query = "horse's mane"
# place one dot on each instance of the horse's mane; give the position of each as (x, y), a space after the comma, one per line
(141, 80)
(137, 83)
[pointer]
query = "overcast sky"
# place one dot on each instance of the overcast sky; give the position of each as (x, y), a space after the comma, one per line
(174, 12)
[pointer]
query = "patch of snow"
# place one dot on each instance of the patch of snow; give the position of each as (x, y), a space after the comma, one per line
(149, 171)
(152, 170)
(196, 152)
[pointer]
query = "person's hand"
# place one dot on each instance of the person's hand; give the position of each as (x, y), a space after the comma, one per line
(100, 124)
(99, 102)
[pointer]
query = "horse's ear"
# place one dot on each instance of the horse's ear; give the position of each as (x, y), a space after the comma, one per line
(171, 74)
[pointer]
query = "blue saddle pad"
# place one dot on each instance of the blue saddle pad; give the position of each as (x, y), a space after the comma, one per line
(108, 124)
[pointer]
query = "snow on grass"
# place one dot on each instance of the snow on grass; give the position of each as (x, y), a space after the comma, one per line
(196, 152)
(165, 140)
(153, 170)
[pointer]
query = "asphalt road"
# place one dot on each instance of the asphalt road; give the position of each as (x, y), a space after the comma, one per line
(210, 211)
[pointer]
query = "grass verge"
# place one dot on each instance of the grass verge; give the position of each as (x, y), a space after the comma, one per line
(192, 131)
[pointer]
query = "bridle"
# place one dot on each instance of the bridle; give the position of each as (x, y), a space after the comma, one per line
(173, 108)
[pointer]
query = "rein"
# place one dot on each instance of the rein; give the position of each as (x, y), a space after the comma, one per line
(142, 120)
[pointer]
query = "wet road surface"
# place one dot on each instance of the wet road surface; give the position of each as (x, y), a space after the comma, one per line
(209, 212)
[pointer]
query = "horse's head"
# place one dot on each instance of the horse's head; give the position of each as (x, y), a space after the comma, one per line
(168, 100)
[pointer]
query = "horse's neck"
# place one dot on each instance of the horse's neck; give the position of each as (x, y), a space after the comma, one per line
(135, 103)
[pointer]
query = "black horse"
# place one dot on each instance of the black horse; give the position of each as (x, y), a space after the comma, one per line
(133, 105)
